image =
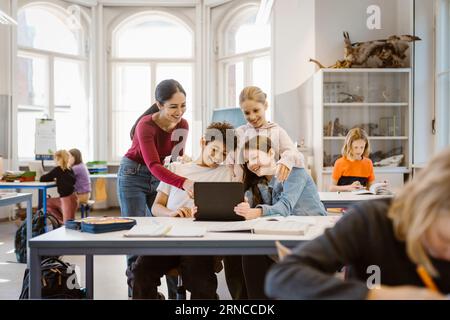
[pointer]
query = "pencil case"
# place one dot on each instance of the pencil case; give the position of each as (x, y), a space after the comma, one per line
(101, 224)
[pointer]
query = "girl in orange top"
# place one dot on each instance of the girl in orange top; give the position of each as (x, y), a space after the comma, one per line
(354, 170)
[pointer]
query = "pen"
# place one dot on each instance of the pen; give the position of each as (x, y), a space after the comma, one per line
(426, 279)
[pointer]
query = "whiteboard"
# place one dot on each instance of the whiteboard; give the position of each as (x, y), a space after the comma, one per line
(45, 138)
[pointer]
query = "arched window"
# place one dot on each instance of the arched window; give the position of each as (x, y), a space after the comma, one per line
(51, 77)
(146, 49)
(244, 56)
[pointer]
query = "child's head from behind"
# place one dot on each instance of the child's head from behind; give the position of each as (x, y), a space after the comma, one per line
(421, 213)
(218, 140)
(259, 156)
(62, 158)
(75, 157)
(253, 102)
(356, 144)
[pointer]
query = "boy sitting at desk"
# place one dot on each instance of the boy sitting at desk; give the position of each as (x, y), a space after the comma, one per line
(198, 272)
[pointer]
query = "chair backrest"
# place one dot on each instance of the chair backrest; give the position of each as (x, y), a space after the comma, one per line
(233, 116)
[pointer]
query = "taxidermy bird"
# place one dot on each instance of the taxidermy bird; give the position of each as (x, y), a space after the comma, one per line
(386, 53)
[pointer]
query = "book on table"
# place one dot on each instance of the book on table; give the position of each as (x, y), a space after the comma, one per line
(162, 230)
(270, 226)
(379, 188)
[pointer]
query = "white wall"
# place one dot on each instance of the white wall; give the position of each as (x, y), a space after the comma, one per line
(313, 29)
(294, 42)
(334, 17)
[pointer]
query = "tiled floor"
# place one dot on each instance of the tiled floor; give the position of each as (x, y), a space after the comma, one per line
(109, 271)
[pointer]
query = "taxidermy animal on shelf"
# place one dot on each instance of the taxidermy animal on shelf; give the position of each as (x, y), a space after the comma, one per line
(393, 161)
(386, 53)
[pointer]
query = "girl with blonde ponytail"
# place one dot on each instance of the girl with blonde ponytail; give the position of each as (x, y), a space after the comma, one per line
(64, 207)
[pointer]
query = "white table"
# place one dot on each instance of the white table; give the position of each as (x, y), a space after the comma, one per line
(18, 198)
(346, 199)
(64, 241)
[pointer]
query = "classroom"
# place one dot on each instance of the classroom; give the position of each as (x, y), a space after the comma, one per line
(224, 150)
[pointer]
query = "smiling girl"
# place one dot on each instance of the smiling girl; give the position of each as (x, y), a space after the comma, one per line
(253, 103)
(354, 170)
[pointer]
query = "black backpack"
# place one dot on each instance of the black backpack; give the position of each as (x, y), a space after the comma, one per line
(58, 281)
(38, 228)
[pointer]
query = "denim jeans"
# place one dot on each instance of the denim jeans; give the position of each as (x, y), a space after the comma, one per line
(136, 189)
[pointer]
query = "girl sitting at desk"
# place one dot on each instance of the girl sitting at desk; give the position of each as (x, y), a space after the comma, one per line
(81, 172)
(393, 248)
(267, 196)
(64, 207)
(354, 170)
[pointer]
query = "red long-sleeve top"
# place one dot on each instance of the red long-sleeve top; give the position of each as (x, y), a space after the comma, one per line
(151, 145)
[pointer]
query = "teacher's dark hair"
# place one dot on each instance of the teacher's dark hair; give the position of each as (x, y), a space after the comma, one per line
(163, 92)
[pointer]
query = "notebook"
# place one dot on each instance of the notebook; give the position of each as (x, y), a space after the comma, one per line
(162, 230)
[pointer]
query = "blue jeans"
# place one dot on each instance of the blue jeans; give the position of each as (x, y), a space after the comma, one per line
(136, 189)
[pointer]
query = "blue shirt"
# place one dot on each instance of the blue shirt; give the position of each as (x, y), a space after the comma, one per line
(296, 196)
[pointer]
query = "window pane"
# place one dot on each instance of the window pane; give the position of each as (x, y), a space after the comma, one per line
(122, 124)
(244, 35)
(71, 107)
(235, 78)
(262, 79)
(32, 81)
(183, 74)
(131, 97)
(47, 29)
(26, 126)
(164, 38)
(132, 87)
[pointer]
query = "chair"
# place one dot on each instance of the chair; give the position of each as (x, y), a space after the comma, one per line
(85, 208)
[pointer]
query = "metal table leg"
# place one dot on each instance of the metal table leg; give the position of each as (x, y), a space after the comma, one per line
(35, 274)
(90, 276)
(29, 229)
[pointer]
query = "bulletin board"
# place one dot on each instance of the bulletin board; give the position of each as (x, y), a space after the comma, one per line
(45, 139)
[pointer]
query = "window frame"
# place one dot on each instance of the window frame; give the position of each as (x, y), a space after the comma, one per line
(224, 59)
(83, 57)
(153, 63)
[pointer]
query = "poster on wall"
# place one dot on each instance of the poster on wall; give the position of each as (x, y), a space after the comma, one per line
(45, 139)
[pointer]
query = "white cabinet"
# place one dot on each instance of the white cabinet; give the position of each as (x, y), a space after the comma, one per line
(376, 100)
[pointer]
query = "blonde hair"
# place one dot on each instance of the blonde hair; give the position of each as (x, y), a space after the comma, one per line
(253, 93)
(419, 204)
(62, 159)
(353, 135)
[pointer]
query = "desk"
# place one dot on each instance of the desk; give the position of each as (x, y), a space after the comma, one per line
(42, 186)
(346, 199)
(18, 198)
(64, 241)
